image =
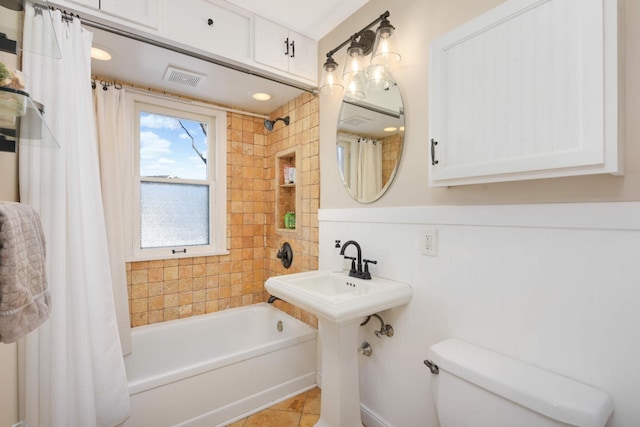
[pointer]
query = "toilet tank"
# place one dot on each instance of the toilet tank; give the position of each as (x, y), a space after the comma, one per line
(475, 387)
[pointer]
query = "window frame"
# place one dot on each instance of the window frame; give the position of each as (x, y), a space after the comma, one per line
(216, 120)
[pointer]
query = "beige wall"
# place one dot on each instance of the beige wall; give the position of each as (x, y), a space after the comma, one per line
(418, 22)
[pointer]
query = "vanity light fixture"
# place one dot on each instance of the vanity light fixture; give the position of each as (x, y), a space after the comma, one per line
(355, 88)
(384, 50)
(361, 44)
(378, 78)
(330, 79)
(355, 63)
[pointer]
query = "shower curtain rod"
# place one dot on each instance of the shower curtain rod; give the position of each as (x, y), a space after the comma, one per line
(132, 36)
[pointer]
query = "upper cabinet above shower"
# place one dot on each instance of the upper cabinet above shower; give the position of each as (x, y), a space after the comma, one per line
(286, 50)
(528, 90)
(209, 27)
(143, 12)
(212, 28)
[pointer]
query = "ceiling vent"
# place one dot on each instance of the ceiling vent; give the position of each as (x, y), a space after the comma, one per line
(355, 121)
(183, 77)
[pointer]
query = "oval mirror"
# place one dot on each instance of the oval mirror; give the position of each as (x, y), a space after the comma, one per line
(370, 140)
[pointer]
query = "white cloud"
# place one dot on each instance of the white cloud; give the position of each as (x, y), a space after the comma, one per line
(154, 121)
(152, 146)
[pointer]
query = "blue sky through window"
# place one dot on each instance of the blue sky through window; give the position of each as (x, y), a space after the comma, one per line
(166, 148)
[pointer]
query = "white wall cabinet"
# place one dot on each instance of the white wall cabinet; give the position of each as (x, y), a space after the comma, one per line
(278, 47)
(212, 28)
(144, 12)
(94, 4)
(208, 27)
(527, 90)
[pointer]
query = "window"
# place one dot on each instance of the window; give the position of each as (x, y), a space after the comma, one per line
(179, 179)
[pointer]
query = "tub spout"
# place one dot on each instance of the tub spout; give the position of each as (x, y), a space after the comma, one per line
(273, 299)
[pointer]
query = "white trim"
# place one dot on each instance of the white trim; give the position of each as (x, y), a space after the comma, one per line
(605, 216)
(217, 120)
(187, 101)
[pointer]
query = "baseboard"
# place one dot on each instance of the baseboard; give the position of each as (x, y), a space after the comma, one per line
(371, 419)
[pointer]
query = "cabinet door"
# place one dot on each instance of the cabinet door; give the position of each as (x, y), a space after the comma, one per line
(527, 90)
(303, 56)
(94, 4)
(144, 12)
(208, 27)
(271, 44)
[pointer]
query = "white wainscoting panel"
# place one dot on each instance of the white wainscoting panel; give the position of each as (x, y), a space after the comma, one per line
(555, 285)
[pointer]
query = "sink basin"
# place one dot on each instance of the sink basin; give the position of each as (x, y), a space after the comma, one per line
(337, 296)
(340, 302)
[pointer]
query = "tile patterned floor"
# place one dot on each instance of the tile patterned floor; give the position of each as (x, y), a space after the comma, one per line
(302, 410)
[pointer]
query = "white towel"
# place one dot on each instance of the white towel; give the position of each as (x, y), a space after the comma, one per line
(24, 294)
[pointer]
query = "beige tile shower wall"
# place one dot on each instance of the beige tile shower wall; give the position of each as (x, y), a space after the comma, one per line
(302, 133)
(172, 289)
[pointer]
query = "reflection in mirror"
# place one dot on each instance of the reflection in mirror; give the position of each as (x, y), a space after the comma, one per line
(369, 142)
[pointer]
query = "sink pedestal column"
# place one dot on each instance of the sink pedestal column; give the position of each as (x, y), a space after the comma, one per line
(340, 398)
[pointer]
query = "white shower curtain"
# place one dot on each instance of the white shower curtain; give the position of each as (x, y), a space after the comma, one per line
(110, 111)
(73, 367)
(366, 169)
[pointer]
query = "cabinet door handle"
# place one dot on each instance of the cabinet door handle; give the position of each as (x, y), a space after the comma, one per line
(286, 46)
(293, 48)
(433, 152)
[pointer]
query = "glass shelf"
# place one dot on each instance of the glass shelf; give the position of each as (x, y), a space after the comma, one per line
(46, 42)
(21, 120)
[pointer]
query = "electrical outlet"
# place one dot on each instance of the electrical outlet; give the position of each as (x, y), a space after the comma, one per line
(429, 241)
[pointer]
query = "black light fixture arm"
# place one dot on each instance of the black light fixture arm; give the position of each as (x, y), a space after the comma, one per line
(381, 18)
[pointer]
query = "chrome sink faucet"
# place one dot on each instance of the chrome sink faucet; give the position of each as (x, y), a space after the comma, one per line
(356, 269)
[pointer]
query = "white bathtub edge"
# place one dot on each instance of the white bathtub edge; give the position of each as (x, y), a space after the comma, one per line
(254, 403)
(136, 387)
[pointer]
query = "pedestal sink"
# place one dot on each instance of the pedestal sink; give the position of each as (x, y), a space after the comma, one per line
(340, 302)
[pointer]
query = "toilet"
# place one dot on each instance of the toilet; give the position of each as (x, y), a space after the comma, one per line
(475, 387)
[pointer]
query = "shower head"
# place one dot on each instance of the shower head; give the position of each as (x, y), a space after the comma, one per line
(268, 124)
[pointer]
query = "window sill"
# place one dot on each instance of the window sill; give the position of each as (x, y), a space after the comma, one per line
(158, 257)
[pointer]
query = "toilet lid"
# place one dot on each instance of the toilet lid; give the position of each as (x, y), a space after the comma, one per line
(542, 391)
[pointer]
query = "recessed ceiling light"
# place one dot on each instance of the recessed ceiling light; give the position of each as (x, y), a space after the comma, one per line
(261, 96)
(390, 129)
(100, 53)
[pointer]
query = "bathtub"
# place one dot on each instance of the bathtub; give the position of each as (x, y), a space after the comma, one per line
(213, 369)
